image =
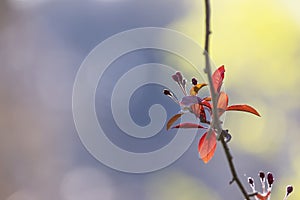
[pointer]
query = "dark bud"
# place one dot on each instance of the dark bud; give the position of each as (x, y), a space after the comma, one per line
(251, 181)
(194, 81)
(261, 175)
(289, 190)
(167, 92)
(227, 137)
(270, 179)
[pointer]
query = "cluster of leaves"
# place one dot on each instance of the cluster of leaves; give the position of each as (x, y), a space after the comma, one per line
(202, 107)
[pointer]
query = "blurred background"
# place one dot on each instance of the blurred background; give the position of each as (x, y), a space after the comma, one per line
(43, 43)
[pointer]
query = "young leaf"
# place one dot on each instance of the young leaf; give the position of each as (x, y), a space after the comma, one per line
(197, 109)
(195, 89)
(217, 78)
(222, 103)
(188, 125)
(173, 119)
(245, 108)
(207, 146)
(199, 112)
(207, 98)
(206, 103)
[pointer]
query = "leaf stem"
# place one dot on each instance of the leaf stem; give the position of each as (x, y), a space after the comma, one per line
(214, 96)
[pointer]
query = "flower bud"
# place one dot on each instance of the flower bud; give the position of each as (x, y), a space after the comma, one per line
(183, 82)
(194, 81)
(289, 190)
(251, 181)
(167, 92)
(261, 175)
(175, 78)
(270, 179)
(179, 76)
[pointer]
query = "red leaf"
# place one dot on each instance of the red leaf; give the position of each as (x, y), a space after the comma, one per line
(263, 197)
(205, 103)
(202, 115)
(199, 111)
(207, 146)
(173, 119)
(244, 108)
(188, 125)
(222, 103)
(196, 109)
(217, 78)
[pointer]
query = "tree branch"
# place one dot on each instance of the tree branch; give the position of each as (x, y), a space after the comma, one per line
(214, 96)
(232, 168)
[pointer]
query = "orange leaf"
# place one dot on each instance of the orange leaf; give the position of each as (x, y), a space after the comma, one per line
(188, 125)
(222, 103)
(218, 77)
(245, 108)
(207, 98)
(195, 89)
(207, 146)
(173, 119)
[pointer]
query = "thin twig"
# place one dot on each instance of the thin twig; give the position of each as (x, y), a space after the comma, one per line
(214, 96)
(252, 194)
(232, 168)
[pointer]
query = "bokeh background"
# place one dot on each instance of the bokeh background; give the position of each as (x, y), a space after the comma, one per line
(42, 44)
